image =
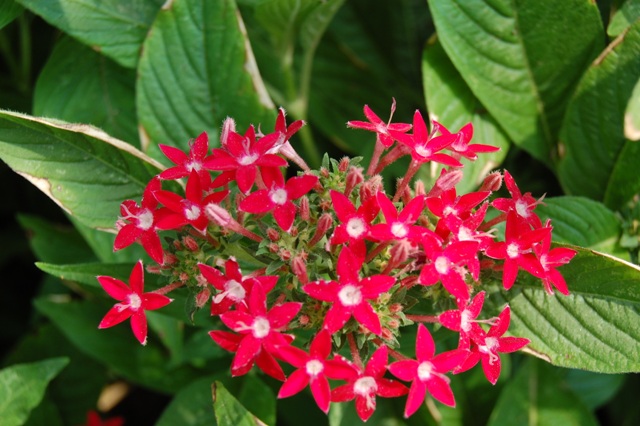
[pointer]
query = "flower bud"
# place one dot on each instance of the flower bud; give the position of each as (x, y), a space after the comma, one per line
(343, 165)
(324, 224)
(273, 234)
(394, 308)
(492, 182)
(190, 243)
(228, 126)
(354, 177)
(299, 267)
(203, 297)
(419, 188)
(305, 213)
(217, 214)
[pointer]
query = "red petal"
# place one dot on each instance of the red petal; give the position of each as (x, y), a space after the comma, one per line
(294, 356)
(136, 279)
(152, 301)
(247, 351)
(512, 344)
(348, 267)
(406, 369)
(321, 345)
(226, 340)
(441, 390)
(336, 317)
(343, 393)
(127, 235)
(391, 388)
(342, 206)
(377, 364)
(321, 392)
(257, 202)
(200, 146)
(139, 326)
(245, 177)
(300, 185)
(375, 285)
(114, 287)
(285, 214)
(365, 407)
(281, 315)
(152, 245)
(114, 316)
(297, 381)
(491, 368)
(417, 392)
(366, 316)
(326, 291)
(425, 347)
(267, 363)
(173, 154)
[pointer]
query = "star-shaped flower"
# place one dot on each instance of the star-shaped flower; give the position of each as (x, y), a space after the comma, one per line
(355, 224)
(184, 163)
(349, 296)
(378, 126)
(133, 302)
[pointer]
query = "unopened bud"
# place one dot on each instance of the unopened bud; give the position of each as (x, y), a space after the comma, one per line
(203, 297)
(492, 182)
(217, 214)
(394, 308)
(370, 188)
(299, 267)
(177, 244)
(419, 188)
(449, 179)
(285, 255)
(343, 165)
(354, 177)
(303, 319)
(170, 259)
(324, 172)
(305, 213)
(324, 224)
(190, 243)
(387, 334)
(393, 324)
(228, 126)
(274, 248)
(273, 234)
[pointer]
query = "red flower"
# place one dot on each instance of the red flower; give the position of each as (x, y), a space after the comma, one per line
(517, 249)
(355, 224)
(142, 220)
(233, 287)
(365, 385)
(463, 320)
(550, 260)
(427, 373)
(378, 126)
(189, 210)
(461, 144)
(243, 155)
(313, 369)
(185, 164)
(94, 419)
(260, 334)
(522, 204)
(399, 226)
(350, 295)
(486, 346)
(278, 196)
(133, 302)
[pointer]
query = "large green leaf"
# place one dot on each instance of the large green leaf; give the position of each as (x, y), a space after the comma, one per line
(196, 69)
(22, 387)
(624, 17)
(632, 115)
(595, 159)
(582, 222)
(9, 10)
(116, 28)
(84, 170)
(537, 396)
(228, 410)
(76, 77)
(594, 328)
(116, 347)
(522, 59)
(192, 406)
(451, 103)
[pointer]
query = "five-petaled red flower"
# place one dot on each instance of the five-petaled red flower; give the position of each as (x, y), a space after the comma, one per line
(133, 302)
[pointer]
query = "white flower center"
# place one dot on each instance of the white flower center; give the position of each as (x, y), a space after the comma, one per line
(425, 370)
(442, 265)
(134, 301)
(355, 227)
(489, 348)
(278, 196)
(260, 327)
(234, 290)
(350, 295)
(145, 220)
(191, 211)
(193, 165)
(399, 230)
(314, 367)
(464, 234)
(422, 151)
(365, 386)
(543, 262)
(522, 208)
(513, 250)
(248, 159)
(465, 321)
(449, 211)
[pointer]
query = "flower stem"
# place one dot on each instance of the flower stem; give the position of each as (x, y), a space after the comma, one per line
(355, 354)
(167, 288)
(423, 318)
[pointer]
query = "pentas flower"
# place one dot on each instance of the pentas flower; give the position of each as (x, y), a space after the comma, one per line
(461, 145)
(449, 265)
(522, 204)
(189, 210)
(242, 156)
(94, 419)
(517, 249)
(142, 220)
(550, 260)
(378, 126)
(452, 208)
(233, 286)
(283, 147)
(365, 385)
(467, 229)
(486, 346)
(427, 373)
(133, 302)
(260, 334)
(355, 224)
(399, 226)
(313, 369)
(277, 197)
(349, 296)
(424, 146)
(185, 164)
(463, 320)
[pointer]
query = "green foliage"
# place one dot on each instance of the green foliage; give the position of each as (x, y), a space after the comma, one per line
(542, 80)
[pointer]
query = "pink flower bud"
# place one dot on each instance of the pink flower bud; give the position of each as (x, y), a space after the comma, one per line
(343, 165)
(387, 334)
(492, 182)
(395, 308)
(273, 234)
(203, 297)
(228, 126)
(324, 172)
(324, 224)
(303, 319)
(285, 254)
(393, 324)
(170, 259)
(354, 177)
(370, 188)
(217, 214)
(299, 267)
(419, 188)
(305, 213)
(448, 179)
(190, 243)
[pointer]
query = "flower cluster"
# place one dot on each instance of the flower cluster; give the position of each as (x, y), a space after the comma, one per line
(330, 252)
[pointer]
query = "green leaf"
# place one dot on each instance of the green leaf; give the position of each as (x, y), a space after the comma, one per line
(9, 10)
(521, 59)
(592, 137)
(22, 387)
(582, 222)
(228, 410)
(258, 397)
(594, 328)
(115, 28)
(75, 77)
(594, 389)
(624, 17)
(196, 69)
(451, 103)
(632, 115)
(537, 396)
(77, 388)
(116, 347)
(192, 405)
(85, 171)
(54, 243)
(45, 414)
